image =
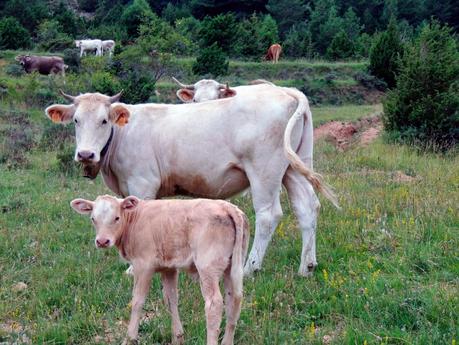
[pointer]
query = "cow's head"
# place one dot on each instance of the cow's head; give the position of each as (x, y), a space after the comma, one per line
(108, 216)
(94, 116)
(203, 90)
(78, 43)
(23, 59)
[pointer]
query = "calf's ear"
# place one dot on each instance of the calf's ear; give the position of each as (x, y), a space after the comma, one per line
(119, 114)
(60, 113)
(185, 95)
(130, 203)
(82, 206)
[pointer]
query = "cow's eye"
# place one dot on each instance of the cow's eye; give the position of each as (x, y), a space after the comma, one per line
(92, 219)
(104, 122)
(76, 121)
(117, 219)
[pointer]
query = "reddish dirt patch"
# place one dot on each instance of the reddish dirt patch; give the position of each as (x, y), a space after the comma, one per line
(343, 134)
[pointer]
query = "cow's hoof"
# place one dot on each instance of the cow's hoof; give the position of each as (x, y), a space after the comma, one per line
(178, 339)
(249, 270)
(308, 270)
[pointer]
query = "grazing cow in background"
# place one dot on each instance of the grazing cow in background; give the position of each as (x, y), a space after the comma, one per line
(208, 237)
(255, 139)
(90, 45)
(42, 64)
(108, 46)
(273, 53)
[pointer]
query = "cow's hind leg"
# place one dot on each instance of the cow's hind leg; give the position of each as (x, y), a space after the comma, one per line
(268, 212)
(305, 205)
(170, 282)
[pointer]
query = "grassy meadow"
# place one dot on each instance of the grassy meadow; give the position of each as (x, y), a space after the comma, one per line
(388, 261)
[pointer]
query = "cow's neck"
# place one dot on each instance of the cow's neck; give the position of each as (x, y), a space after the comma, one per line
(107, 153)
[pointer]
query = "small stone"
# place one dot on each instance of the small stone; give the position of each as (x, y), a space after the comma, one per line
(19, 286)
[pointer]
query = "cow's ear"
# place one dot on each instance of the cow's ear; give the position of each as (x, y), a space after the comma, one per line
(227, 92)
(185, 95)
(60, 113)
(130, 203)
(82, 206)
(119, 114)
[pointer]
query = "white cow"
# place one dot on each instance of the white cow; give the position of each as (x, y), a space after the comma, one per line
(255, 139)
(90, 45)
(108, 46)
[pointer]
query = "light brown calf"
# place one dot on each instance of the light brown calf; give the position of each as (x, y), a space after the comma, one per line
(207, 237)
(273, 53)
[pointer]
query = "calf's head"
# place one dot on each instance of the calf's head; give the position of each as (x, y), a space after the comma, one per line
(107, 216)
(94, 116)
(203, 90)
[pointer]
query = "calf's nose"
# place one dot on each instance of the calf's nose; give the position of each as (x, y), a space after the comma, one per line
(85, 156)
(102, 242)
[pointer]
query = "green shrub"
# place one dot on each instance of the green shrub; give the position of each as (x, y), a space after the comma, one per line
(105, 83)
(423, 109)
(51, 37)
(211, 60)
(341, 47)
(134, 15)
(13, 35)
(370, 81)
(65, 159)
(385, 53)
(14, 69)
(363, 45)
(71, 58)
(138, 86)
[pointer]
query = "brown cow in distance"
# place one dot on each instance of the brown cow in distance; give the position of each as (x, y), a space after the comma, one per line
(42, 64)
(273, 53)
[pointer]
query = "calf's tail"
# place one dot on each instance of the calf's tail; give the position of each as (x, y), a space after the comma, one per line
(241, 244)
(315, 179)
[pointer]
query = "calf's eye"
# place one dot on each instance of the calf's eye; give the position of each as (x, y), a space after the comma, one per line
(104, 122)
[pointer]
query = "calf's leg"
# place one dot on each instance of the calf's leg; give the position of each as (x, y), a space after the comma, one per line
(213, 303)
(170, 281)
(233, 309)
(305, 205)
(142, 280)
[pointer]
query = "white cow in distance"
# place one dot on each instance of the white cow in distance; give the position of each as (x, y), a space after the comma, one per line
(213, 149)
(90, 45)
(108, 46)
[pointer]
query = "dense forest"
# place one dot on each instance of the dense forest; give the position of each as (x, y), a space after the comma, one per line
(334, 29)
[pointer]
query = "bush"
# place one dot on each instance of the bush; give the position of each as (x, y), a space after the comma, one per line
(138, 86)
(211, 60)
(14, 70)
(370, 81)
(72, 59)
(134, 15)
(341, 47)
(51, 37)
(385, 53)
(105, 83)
(423, 109)
(13, 35)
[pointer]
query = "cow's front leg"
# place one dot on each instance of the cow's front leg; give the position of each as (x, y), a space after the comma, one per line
(142, 279)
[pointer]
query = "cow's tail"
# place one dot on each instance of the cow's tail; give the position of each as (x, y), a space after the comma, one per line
(241, 244)
(315, 179)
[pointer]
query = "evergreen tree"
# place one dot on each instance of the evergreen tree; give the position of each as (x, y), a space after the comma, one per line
(384, 54)
(211, 60)
(298, 42)
(341, 47)
(220, 30)
(13, 35)
(133, 15)
(287, 13)
(424, 107)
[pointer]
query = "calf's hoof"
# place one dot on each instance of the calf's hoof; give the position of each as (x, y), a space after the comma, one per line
(178, 339)
(129, 341)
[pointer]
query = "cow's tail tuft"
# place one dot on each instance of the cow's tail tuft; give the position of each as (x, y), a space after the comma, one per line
(241, 244)
(315, 179)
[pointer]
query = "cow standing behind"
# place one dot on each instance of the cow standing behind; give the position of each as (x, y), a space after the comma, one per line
(108, 46)
(42, 64)
(89, 45)
(209, 237)
(273, 53)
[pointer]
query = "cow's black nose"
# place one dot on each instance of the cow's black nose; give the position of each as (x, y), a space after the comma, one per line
(85, 155)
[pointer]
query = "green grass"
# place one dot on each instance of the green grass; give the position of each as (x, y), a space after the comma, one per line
(348, 112)
(388, 267)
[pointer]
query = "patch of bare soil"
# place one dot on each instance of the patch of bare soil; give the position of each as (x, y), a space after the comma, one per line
(343, 134)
